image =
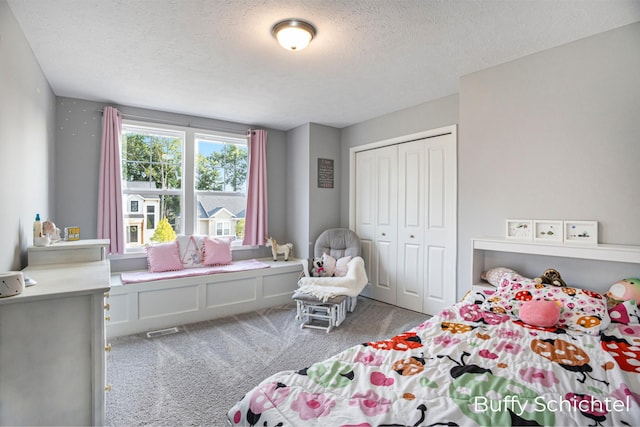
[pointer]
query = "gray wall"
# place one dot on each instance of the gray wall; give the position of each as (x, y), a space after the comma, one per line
(78, 139)
(324, 203)
(27, 127)
(429, 115)
(298, 190)
(311, 210)
(553, 135)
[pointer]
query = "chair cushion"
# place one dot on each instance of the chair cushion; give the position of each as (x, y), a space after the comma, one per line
(337, 242)
(310, 298)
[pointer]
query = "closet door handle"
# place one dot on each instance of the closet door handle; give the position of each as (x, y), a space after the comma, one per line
(411, 236)
(384, 234)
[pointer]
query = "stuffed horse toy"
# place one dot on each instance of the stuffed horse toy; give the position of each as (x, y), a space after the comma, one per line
(286, 249)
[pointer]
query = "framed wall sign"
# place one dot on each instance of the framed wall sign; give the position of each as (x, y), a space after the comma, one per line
(547, 230)
(325, 173)
(581, 232)
(521, 229)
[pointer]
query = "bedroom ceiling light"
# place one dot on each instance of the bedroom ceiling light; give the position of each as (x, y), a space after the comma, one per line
(293, 34)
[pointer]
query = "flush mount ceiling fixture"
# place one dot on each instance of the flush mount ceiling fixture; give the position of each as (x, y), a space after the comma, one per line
(293, 34)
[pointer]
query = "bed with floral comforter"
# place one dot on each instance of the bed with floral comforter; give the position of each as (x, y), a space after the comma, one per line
(472, 364)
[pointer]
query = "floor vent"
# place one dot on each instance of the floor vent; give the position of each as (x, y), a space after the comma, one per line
(161, 332)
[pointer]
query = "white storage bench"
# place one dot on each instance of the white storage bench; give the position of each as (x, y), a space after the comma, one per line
(160, 304)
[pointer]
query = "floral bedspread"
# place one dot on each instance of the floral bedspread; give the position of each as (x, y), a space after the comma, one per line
(462, 367)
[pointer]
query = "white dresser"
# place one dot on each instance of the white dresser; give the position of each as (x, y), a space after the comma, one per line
(52, 339)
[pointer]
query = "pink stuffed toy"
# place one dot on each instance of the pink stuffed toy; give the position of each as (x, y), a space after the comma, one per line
(541, 313)
(625, 290)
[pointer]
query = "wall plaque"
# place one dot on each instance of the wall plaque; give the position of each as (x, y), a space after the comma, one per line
(325, 173)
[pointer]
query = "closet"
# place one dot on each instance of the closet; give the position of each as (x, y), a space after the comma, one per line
(404, 210)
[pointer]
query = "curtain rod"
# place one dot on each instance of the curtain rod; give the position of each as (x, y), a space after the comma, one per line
(176, 123)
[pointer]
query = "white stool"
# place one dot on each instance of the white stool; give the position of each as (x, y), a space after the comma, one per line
(317, 314)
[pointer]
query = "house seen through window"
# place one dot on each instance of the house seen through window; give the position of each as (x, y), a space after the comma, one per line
(159, 181)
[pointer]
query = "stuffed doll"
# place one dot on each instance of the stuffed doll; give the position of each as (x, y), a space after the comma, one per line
(624, 290)
(551, 277)
(317, 268)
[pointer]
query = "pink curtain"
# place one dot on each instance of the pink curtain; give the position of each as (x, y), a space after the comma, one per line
(110, 216)
(255, 228)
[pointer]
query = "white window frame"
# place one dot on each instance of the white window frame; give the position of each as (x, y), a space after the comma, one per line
(188, 191)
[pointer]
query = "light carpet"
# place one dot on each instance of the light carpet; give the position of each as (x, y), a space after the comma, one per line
(193, 377)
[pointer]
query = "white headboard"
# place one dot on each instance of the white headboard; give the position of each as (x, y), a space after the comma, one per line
(593, 267)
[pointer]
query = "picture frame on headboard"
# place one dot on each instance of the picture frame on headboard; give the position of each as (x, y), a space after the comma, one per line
(519, 229)
(581, 232)
(548, 230)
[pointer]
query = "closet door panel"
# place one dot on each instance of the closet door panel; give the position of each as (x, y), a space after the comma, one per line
(440, 230)
(410, 287)
(386, 209)
(436, 193)
(366, 203)
(435, 261)
(411, 189)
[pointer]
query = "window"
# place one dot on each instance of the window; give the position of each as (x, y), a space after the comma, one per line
(222, 167)
(152, 169)
(223, 228)
(151, 217)
(195, 179)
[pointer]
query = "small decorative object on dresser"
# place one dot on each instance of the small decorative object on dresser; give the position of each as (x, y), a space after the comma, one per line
(519, 229)
(72, 233)
(581, 232)
(276, 249)
(547, 230)
(50, 230)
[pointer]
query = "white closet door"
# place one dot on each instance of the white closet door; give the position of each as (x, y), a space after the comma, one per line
(440, 224)
(405, 215)
(376, 215)
(365, 222)
(411, 224)
(386, 239)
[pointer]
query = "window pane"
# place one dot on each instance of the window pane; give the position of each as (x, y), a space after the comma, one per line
(151, 158)
(221, 184)
(221, 164)
(141, 226)
(221, 215)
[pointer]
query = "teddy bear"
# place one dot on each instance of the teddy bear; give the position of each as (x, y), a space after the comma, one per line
(317, 268)
(551, 277)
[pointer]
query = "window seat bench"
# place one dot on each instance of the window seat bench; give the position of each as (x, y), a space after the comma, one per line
(158, 304)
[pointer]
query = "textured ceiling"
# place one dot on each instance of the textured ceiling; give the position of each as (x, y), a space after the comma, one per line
(217, 58)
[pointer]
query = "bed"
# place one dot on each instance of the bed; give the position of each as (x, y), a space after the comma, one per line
(474, 363)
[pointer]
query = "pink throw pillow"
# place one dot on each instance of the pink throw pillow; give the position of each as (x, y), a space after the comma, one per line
(341, 266)
(540, 313)
(216, 251)
(329, 264)
(164, 257)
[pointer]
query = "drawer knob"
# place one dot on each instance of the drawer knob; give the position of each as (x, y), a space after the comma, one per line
(107, 348)
(107, 318)
(106, 294)
(107, 387)
(107, 306)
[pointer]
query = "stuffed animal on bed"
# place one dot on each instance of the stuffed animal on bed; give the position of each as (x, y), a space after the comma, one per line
(551, 277)
(624, 290)
(541, 313)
